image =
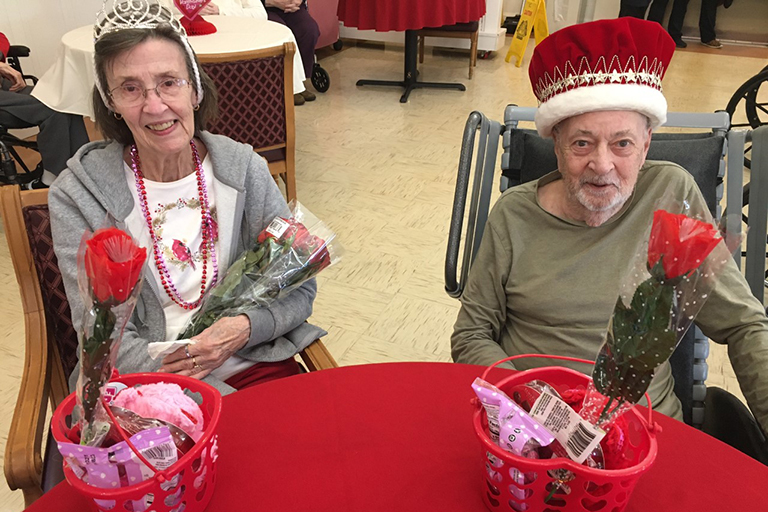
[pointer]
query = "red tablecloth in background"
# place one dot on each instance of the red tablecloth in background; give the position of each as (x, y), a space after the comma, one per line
(399, 437)
(399, 15)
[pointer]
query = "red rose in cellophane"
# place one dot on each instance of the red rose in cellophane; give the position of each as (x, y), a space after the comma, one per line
(113, 263)
(287, 253)
(109, 275)
(680, 242)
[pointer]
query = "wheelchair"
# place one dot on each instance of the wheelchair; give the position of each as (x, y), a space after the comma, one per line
(751, 98)
(9, 156)
(526, 156)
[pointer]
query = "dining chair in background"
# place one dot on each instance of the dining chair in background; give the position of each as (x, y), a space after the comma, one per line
(256, 105)
(50, 346)
(457, 31)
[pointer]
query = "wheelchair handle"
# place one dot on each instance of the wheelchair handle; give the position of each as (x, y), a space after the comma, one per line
(452, 286)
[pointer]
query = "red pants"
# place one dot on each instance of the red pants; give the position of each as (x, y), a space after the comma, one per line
(263, 372)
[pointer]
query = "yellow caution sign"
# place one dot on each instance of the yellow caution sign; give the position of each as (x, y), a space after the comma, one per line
(534, 18)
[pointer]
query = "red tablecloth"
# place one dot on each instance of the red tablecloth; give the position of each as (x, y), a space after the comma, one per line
(399, 437)
(386, 15)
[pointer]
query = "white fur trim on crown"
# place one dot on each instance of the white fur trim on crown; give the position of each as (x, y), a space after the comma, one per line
(639, 98)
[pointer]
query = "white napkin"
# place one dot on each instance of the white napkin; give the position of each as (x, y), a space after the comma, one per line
(163, 348)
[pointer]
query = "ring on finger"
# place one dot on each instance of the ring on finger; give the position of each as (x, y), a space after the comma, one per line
(186, 351)
(195, 365)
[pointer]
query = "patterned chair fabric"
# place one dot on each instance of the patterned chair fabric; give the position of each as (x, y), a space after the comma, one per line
(251, 100)
(57, 313)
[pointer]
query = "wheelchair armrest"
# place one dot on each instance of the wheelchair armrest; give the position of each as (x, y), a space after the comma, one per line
(17, 50)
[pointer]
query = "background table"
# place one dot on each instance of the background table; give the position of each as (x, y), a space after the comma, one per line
(399, 437)
(67, 86)
(410, 16)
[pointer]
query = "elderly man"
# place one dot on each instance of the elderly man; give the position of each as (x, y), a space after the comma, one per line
(555, 251)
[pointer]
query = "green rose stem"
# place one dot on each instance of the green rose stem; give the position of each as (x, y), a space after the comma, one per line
(95, 361)
(639, 338)
(227, 297)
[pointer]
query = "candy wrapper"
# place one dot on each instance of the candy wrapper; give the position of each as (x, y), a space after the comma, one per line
(290, 251)
(110, 266)
(668, 284)
(117, 466)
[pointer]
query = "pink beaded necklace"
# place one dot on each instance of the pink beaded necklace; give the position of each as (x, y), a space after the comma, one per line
(208, 244)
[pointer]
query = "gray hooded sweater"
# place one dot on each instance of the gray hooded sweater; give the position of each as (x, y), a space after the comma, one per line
(94, 186)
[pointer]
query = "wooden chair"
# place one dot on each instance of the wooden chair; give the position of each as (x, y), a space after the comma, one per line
(256, 105)
(51, 342)
(457, 31)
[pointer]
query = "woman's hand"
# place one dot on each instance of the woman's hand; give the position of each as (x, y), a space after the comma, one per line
(285, 5)
(212, 347)
(209, 9)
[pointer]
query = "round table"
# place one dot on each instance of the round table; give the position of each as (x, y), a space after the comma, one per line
(399, 437)
(410, 16)
(68, 84)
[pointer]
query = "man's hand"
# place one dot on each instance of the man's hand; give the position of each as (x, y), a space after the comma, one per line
(17, 81)
(212, 347)
(285, 5)
(209, 9)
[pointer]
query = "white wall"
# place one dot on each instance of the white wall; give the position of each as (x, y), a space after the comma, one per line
(40, 24)
(561, 13)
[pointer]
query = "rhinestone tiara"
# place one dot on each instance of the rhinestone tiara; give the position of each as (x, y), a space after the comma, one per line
(132, 14)
(140, 14)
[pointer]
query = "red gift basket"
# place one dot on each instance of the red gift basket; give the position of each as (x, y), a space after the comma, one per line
(186, 486)
(586, 489)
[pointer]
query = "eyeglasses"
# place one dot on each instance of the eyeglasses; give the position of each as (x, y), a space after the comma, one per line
(131, 94)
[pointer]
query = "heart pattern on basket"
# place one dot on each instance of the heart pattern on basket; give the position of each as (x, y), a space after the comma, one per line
(190, 8)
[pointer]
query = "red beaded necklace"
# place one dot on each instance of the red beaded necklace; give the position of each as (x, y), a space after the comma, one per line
(207, 246)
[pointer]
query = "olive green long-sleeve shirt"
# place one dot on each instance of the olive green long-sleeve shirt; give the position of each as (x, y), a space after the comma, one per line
(546, 285)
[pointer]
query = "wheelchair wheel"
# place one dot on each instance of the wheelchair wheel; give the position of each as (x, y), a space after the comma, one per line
(754, 95)
(337, 45)
(320, 79)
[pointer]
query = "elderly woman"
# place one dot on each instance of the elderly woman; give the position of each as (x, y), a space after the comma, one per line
(160, 176)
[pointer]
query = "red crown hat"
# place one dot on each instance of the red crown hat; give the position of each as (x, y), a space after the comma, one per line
(602, 65)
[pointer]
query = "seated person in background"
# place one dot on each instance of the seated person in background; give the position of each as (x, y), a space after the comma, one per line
(554, 252)
(294, 15)
(60, 134)
(156, 174)
(303, 27)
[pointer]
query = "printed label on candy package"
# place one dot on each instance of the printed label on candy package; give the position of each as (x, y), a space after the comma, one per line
(277, 227)
(117, 465)
(576, 434)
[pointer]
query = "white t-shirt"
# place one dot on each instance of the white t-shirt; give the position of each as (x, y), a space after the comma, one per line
(175, 210)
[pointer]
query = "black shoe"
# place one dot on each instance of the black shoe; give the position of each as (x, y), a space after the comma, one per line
(680, 43)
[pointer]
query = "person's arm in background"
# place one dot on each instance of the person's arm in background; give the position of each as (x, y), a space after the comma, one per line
(241, 8)
(13, 76)
(4, 47)
(284, 5)
(483, 312)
